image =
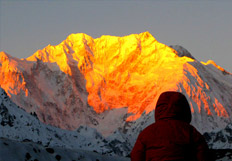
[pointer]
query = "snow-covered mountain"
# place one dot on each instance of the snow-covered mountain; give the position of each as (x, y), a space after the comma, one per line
(19, 126)
(28, 151)
(23, 137)
(106, 81)
(106, 88)
(220, 139)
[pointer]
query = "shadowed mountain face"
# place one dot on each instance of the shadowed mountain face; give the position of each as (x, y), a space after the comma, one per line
(24, 133)
(111, 82)
(23, 129)
(32, 151)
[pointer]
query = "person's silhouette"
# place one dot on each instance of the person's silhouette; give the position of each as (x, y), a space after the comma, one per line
(171, 137)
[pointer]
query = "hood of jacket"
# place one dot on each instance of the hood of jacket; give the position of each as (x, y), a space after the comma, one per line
(173, 105)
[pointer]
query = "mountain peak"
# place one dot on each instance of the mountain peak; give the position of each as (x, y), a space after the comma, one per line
(181, 51)
(78, 37)
(4, 56)
(211, 62)
(83, 76)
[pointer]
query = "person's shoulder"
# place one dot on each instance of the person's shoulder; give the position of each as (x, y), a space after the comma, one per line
(147, 130)
(197, 136)
(150, 127)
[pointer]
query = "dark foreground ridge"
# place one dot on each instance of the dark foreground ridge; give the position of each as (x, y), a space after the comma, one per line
(29, 151)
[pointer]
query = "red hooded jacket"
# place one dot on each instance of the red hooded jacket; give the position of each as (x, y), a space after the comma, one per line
(171, 137)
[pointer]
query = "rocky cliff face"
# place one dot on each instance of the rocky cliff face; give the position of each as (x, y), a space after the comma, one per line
(112, 83)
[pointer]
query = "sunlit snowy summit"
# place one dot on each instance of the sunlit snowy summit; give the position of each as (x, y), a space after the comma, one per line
(108, 86)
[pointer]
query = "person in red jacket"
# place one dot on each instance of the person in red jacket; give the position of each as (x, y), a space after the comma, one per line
(171, 137)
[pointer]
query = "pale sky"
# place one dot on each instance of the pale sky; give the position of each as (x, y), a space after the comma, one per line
(203, 27)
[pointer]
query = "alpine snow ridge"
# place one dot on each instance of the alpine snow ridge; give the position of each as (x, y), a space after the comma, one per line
(19, 127)
(112, 84)
(33, 140)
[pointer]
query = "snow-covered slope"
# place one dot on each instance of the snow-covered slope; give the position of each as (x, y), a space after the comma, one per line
(18, 125)
(29, 151)
(220, 139)
(111, 84)
(58, 99)
(182, 51)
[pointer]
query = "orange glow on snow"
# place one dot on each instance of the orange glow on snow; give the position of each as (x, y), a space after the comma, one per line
(12, 85)
(214, 64)
(128, 71)
(220, 110)
(198, 95)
